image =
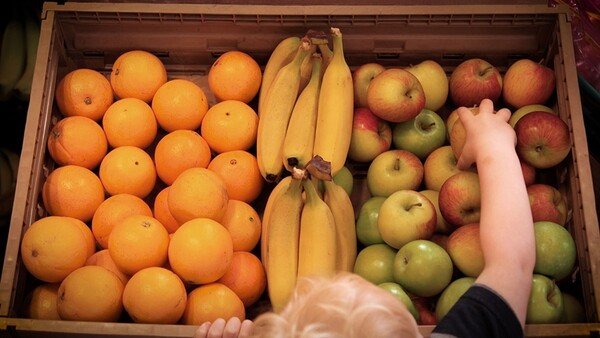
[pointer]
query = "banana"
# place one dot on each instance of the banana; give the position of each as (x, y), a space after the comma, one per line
(274, 119)
(317, 249)
(336, 106)
(12, 57)
(279, 188)
(282, 244)
(326, 53)
(32, 36)
(306, 68)
(345, 225)
(282, 54)
(300, 135)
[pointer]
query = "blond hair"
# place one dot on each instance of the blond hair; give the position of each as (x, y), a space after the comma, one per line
(345, 306)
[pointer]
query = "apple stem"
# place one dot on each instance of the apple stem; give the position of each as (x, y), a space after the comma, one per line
(485, 71)
(414, 205)
(397, 164)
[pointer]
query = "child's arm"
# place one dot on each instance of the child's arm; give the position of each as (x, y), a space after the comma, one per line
(506, 225)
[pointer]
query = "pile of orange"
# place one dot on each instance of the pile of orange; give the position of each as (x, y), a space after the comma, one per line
(153, 194)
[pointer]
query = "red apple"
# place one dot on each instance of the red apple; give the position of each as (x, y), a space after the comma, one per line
(361, 78)
(464, 247)
(474, 80)
(396, 95)
(460, 199)
(371, 136)
(547, 203)
(529, 172)
(543, 139)
(527, 82)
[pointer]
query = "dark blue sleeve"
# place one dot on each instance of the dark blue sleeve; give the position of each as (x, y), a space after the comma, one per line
(480, 312)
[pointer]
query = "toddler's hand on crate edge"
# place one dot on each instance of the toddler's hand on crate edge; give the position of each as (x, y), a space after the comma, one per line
(233, 328)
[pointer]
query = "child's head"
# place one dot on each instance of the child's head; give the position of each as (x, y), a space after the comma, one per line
(344, 306)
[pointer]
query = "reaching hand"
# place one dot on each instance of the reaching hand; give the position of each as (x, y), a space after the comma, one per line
(233, 328)
(486, 131)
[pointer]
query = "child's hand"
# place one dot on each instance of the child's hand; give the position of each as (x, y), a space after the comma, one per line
(233, 328)
(487, 132)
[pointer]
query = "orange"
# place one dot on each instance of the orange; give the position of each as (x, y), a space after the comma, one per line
(209, 302)
(103, 259)
(50, 258)
(138, 74)
(180, 150)
(239, 170)
(179, 104)
(198, 192)
(243, 223)
(138, 242)
(77, 140)
(246, 277)
(235, 75)
(230, 125)
(72, 191)
(128, 170)
(84, 92)
(130, 122)
(113, 210)
(162, 212)
(40, 303)
(155, 295)
(90, 293)
(200, 251)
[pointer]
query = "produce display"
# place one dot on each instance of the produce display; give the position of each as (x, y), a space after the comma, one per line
(174, 210)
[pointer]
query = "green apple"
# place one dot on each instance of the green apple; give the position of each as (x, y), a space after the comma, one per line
(460, 199)
(420, 135)
(438, 167)
(367, 230)
(547, 203)
(441, 225)
(345, 179)
(394, 170)
(395, 95)
(434, 80)
(404, 216)
(375, 263)
(546, 303)
(451, 294)
(517, 114)
(464, 247)
(361, 79)
(370, 137)
(423, 268)
(398, 292)
(573, 309)
(555, 250)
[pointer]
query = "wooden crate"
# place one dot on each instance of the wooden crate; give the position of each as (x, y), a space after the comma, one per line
(189, 37)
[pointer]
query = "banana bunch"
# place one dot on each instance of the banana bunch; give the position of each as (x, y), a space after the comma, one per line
(18, 54)
(306, 231)
(305, 106)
